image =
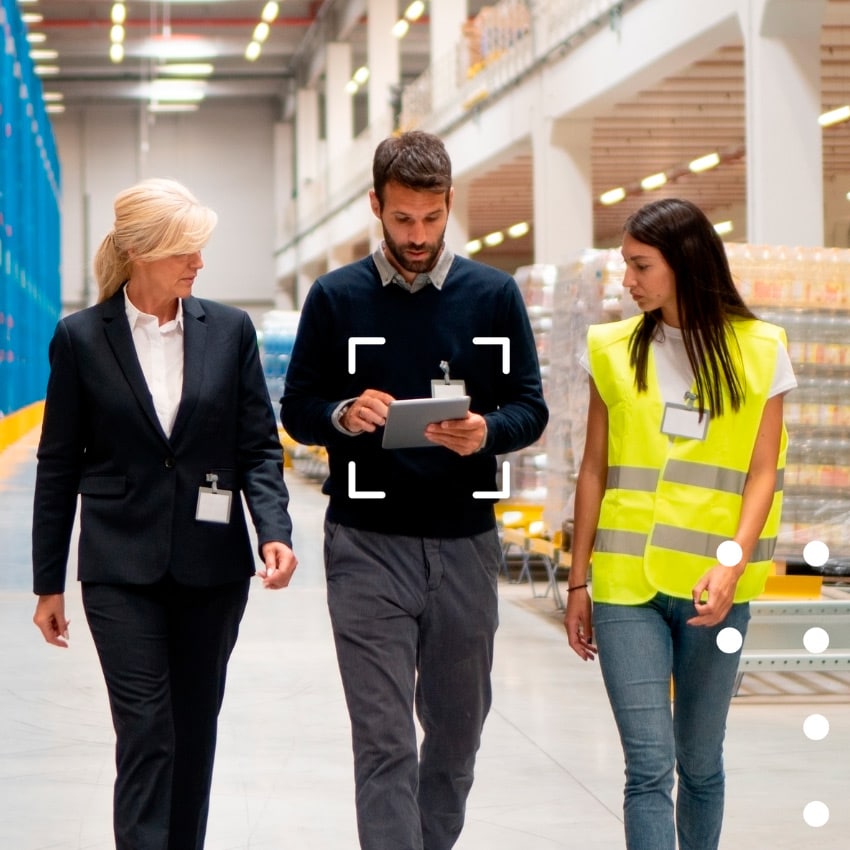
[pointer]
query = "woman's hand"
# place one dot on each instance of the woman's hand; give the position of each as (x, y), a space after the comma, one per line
(714, 594)
(50, 618)
(280, 563)
(578, 622)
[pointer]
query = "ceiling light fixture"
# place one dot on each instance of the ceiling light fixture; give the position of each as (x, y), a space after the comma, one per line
(412, 13)
(252, 51)
(270, 11)
(176, 90)
(36, 37)
(415, 10)
(261, 31)
(116, 53)
(40, 54)
(515, 231)
(154, 106)
(358, 79)
(654, 181)
(186, 69)
(491, 240)
(474, 246)
(704, 163)
(118, 13)
(834, 116)
(612, 196)
(180, 48)
(723, 227)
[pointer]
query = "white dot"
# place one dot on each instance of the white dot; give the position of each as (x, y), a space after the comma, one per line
(816, 727)
(729, 640)
(729, 553)
(816, 640)
(816, 553)
(816, 813)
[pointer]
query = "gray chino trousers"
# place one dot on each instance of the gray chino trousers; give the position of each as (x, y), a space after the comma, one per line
(414, 621)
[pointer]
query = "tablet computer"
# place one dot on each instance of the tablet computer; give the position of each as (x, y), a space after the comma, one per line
(407, 419)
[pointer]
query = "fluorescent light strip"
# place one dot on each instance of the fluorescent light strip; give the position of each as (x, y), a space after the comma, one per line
(654, 181)
(612, 196)
(703, 163)
(834, 116)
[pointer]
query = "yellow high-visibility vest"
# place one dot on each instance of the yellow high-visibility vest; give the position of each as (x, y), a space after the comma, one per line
(670, 501)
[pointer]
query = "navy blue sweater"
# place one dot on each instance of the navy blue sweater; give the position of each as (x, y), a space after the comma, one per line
(428, 490)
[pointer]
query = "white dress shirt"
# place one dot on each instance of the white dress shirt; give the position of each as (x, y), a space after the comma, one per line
(160, 352)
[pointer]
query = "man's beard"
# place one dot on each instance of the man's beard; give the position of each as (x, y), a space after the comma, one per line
(414, 266)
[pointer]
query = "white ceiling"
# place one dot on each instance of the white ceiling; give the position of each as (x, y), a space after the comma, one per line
(701, 108)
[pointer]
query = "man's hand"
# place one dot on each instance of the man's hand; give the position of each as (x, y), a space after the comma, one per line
(464, 436)
(367, 412)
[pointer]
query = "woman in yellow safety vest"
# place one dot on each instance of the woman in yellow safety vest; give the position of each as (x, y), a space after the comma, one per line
(677, 502)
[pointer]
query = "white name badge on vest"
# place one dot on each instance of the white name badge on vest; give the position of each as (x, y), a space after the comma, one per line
(682, 420)
(213, 504)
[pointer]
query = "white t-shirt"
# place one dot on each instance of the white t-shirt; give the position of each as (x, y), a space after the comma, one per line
(673, 369)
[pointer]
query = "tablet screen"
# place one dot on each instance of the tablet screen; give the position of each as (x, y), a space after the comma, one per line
(408, 418)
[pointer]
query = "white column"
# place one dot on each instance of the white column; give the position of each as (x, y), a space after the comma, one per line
(563, 194)
(284, 180)
(447, 20)
(457, 229)
(784, 156)
(338, 107)
(306, 136)
(384, 65)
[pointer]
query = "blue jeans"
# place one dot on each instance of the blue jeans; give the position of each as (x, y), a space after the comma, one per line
(640, 648)
(414, 621)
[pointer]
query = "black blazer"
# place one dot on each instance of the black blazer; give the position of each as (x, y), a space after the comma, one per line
(101, 438)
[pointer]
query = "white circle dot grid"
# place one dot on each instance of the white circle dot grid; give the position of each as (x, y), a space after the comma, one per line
(729, 553)
(816, 640)
(729, 640)
(816, 727)
(816, 553)
(816, 814)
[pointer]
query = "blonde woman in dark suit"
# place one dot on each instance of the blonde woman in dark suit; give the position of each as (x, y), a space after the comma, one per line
(157, 414)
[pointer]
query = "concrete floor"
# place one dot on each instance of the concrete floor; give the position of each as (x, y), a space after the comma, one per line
(549, 773)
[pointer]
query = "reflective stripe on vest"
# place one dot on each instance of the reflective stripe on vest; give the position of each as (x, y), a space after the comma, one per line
(698, 543)
(682, 472)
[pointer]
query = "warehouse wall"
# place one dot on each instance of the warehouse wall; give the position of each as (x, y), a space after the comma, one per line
(223, 154)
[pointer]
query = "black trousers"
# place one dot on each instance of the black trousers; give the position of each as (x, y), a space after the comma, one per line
(164, 650)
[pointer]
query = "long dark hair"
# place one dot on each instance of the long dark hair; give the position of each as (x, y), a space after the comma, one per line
(706, 299)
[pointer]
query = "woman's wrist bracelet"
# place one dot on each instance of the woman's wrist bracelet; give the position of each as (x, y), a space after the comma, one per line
(576, 587)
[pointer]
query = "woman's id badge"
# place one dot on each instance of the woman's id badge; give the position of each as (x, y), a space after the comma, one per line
(683, 420)
(213, 504)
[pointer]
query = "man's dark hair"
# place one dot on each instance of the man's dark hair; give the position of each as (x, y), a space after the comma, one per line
(416, 160)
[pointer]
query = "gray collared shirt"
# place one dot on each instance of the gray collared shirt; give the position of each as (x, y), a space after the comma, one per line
(436, 276)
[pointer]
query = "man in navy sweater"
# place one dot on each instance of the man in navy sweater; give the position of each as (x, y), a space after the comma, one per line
(411, 553)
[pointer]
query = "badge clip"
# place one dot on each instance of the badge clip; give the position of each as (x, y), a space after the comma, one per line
(447, 388)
